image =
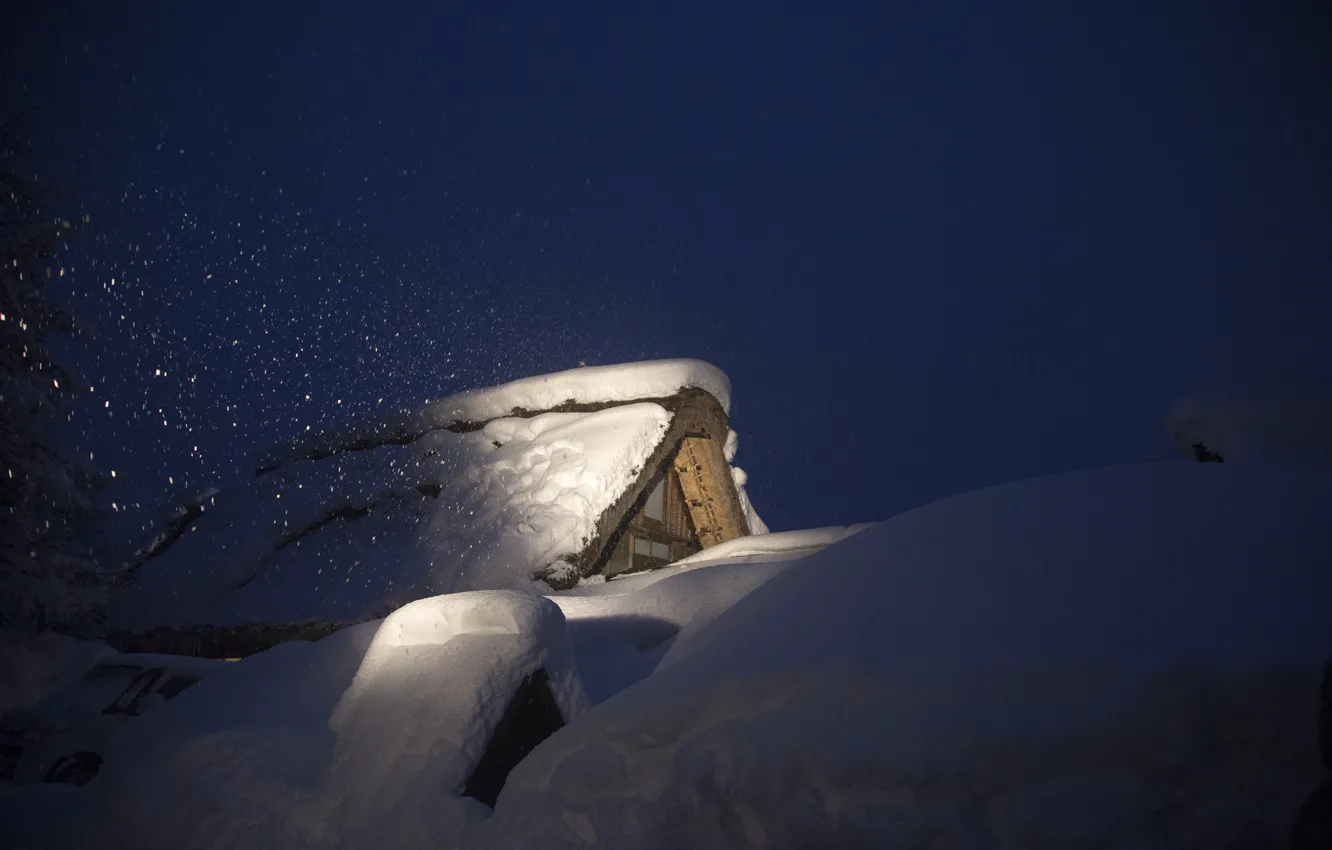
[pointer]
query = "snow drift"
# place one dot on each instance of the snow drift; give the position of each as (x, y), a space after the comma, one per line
(1122, 657)
(1119, 657)
(423, 705)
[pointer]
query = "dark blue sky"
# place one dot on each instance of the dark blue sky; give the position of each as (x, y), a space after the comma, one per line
(935, 248)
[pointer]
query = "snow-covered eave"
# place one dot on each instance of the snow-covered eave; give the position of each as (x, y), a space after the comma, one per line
(582, 390)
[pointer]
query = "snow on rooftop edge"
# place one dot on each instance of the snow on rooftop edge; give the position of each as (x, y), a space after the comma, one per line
(623, 382)
(586, 385)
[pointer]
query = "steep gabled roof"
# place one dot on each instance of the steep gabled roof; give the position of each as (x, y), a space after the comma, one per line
(476, 491)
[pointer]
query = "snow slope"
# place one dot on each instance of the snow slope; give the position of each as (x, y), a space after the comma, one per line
(1123, 657)
(229, 763)
(353, 536)
(418, 715)
(623, 628)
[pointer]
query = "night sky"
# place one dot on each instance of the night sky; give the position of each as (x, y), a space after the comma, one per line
(935, 246)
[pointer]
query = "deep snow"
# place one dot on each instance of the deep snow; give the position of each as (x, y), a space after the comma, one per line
(1122, 657)
(1118, 657)
(622, 629)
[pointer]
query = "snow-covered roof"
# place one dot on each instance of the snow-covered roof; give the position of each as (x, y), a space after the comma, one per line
(585, 386)
(345, 536)
(1240, 425)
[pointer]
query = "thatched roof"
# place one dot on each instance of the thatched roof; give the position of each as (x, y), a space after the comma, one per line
(476, 491)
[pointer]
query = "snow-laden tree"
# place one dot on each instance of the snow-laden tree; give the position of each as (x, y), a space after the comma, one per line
(47, 496)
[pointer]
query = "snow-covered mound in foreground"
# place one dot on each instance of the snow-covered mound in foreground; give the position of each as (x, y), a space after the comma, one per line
(1254, 426)
(423, 705)
(1124, 657)
(364, 739)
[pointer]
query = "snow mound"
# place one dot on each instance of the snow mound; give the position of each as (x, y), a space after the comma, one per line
(1254, 426)
(357, 535)
(423, 705)
(1119, 657)
(225, 764)
(363, 739)
(591, 385)
(621, 637)
(625, 628)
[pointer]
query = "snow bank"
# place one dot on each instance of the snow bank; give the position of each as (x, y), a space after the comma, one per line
(34, 666)
(1118, 657)
(620, 638)
(354, 536)
(626, 382)
(422, 707)
(1254, 426)
(223, 765)
(622, 629)
(363, 739)
(781, 545)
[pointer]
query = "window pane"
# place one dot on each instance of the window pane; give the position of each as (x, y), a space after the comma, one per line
(661, 550)
(642, 547)
(655, 507)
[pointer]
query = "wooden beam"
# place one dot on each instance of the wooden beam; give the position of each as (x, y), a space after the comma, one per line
(701, 464)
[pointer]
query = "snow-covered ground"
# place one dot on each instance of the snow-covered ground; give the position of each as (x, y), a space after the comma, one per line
(1122, 657)
(622, 629)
